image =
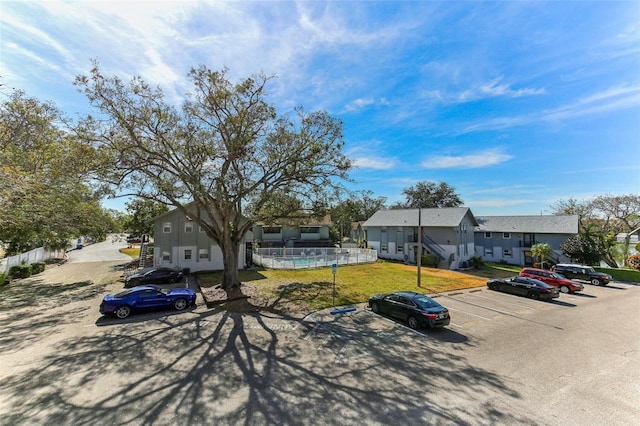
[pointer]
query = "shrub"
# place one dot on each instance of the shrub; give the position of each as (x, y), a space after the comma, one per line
(20, 271)
(634, 261)
(38, 267)
(3, 279)
(476, 261)
(430, 260)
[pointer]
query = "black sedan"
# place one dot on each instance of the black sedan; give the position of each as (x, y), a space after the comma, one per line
(417, 310)
(153, 276)
(146, 298)
(522, 286)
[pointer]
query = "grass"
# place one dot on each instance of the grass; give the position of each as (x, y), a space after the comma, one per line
(131, 251)
(313, 288)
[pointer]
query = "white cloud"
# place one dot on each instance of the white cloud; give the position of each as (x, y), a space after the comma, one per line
(490, 157)
(612, 99)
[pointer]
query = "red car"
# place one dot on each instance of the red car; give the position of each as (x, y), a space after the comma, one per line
(552, 278)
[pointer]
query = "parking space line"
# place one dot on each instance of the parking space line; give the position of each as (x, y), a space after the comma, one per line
(503, 300)
(468, 313)
(482, 307)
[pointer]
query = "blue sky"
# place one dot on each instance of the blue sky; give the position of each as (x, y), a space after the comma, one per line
(515, 104)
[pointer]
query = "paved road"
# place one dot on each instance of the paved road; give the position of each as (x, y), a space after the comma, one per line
(503, 360)
(106, 251)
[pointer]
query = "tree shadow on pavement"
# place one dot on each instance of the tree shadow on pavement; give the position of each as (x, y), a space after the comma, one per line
(219, 367)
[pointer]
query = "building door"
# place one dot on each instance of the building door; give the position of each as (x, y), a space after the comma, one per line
(528, 258)
(527, 240)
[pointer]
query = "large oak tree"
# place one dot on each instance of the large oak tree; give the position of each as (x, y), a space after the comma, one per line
(224, 157)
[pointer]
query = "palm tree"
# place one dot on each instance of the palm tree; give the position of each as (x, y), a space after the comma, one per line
(541, 250)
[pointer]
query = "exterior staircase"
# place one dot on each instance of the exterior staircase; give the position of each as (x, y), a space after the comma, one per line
(145, 260)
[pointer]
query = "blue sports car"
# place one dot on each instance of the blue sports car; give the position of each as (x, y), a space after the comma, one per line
(146, 298)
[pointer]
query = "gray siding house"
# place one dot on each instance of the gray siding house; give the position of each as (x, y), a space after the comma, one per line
(509, 238)
(447, 233)
(180, 243)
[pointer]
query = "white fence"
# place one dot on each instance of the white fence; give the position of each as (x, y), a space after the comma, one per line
(36, 255)
(307, 258)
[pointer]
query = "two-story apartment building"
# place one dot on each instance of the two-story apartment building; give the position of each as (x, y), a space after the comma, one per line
(509, 238)
(447, 233)
(313, 233)
(179, 242)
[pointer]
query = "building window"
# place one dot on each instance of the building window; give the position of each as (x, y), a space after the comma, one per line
(488, 251)
(166, 227)
(203, 254)
(187, 254)
(200, 228)
(271, 229)
(506, 235)
(166, 256)
(383, 248)
(507, 253)
(400, 248)
(487, 234)
(309, 229)
(188, 227)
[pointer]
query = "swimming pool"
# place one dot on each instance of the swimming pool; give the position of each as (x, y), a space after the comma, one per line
(277, 259)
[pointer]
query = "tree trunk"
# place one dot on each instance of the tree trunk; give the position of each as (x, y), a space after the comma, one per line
(609, 260)
(230, 273)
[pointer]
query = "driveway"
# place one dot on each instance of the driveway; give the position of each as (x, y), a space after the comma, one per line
(504, 360)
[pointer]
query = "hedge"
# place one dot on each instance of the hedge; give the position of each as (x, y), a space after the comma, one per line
(20, 271)
(38, 267)
(621, 274)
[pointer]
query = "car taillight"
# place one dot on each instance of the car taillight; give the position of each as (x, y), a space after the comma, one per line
(430, 316)
(546, 290)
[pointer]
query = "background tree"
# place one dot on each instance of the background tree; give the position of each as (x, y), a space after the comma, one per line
(221, 159)
(358, 206)
(542, 251)
(583, 249)
(141, 214)
(603, 218)
(427, 194)
(43, 178)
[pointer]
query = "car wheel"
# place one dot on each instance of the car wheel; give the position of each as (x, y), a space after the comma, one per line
(180, 304)
(374, 308)
(493, 286)
(595, 281)
(123, 312)
(533, 295)
(565, 289)
(412, 322)
(172, 280)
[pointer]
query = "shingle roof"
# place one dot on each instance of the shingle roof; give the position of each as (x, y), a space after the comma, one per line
(531, 224)
(447, 216)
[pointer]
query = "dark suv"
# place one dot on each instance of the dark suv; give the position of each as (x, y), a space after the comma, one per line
(582, 272)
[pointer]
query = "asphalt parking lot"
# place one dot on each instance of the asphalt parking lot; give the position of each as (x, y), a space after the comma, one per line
(503, 360)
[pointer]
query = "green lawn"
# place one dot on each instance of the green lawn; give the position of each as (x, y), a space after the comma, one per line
(312, 288)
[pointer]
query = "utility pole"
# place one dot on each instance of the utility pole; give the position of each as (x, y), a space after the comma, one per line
(419, 259)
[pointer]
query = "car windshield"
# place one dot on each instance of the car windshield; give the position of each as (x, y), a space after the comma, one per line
(590, 269)
(164, 290)
(557, 276)
(425, 302)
